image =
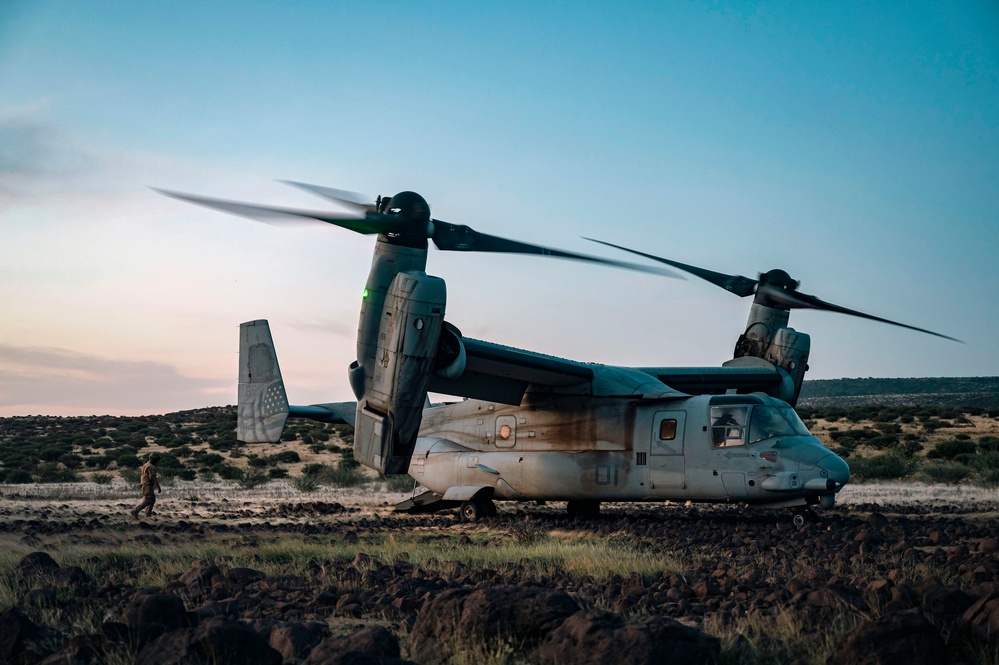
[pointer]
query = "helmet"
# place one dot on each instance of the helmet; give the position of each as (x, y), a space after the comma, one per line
(155, 457)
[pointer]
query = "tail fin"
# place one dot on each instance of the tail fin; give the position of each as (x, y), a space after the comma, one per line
(263, 402)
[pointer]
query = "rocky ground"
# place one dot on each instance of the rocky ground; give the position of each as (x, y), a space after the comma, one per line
(896, 573)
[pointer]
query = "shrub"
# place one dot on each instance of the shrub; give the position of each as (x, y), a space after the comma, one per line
(52, 473)
(910, 447)
(97, 462)
(286, 457)
(71, 461)
(847, 442)
(227, 472)
(888, 428)
(101, 478)
(19, 477)
(398, 483)
(883, 442)
(951, 449)
(314, 469)
(884, 466)
(989, 444)
(856, 434)
(343, 476)
(305, 483)
(174, 472)
(277, 473)
(52, 453)
(128, 461)
(258, 462)
(207, 459)
(253, 479)
(206, 475)
(130, 476)
(946, 472)
(987, 461)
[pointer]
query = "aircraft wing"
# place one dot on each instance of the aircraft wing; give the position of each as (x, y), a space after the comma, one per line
(762, 377)
(498, 373)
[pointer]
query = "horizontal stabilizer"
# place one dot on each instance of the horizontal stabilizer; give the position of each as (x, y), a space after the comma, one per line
(337, 413)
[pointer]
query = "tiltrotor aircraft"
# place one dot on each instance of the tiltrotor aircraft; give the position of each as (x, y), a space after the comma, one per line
(536, 427)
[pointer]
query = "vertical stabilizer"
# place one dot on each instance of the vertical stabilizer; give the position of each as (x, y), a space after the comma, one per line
(263, 402)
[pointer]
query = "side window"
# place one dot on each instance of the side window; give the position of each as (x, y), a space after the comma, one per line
(728, 426)
(667, 429)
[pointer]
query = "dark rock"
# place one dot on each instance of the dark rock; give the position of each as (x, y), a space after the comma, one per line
(901, 638)
(40, 598)
(21, 641)
(944, 604)
(293, 641)
(201, 573)
(82, 650)
(73, 578)
(483, 615)
(37, 564)
(598, 638)
(244, 576)
(153, 607)
(989, 546)
(215, 642)
(980, 622)
(372, 645)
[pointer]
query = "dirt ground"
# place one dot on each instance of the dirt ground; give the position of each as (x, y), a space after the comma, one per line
(218, 501)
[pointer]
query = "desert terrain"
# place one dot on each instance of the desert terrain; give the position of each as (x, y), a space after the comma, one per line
(334, 575)
(310, 564)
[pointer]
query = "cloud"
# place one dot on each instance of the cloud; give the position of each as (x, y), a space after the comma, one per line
(36, 158)
(57, 381)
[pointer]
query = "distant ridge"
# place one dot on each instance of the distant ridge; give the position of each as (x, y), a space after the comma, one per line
(980, 391)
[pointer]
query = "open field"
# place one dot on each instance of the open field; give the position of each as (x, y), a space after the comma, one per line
(291, 553)
(321, 565)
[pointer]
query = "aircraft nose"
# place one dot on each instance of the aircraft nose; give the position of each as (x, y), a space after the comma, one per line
(836, 468)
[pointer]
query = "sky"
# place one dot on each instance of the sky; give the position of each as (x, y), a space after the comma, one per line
(854, 146)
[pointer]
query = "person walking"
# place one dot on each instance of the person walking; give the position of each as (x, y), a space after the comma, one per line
(149, 482)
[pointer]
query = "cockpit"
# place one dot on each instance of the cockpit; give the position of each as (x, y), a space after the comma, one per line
(745, 424)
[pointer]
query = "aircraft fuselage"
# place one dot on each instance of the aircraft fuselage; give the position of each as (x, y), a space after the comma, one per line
(725, 448)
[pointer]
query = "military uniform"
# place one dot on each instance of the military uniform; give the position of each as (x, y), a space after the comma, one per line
(149, 483)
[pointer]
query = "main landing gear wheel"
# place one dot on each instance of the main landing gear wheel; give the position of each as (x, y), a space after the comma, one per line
(584, 508)
(476, 509)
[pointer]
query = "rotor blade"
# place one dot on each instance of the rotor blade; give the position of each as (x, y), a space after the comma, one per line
(370, 224)
(798, 300)
(737, 284)
(343, 196)
(460, 238)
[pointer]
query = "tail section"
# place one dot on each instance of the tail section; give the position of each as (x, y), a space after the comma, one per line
(263, 403)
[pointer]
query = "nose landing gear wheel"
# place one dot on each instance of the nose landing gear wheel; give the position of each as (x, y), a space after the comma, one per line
(803, 515)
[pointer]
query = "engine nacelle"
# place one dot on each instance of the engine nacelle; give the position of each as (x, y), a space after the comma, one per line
(789, 350)
(450, 360)
(391, 406)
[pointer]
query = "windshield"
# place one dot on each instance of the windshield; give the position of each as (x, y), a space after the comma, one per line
(792, 417)
(768, 422)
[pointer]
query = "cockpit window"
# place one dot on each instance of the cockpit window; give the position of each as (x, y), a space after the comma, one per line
(728, 426)
(792, 417)
(768, 422)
